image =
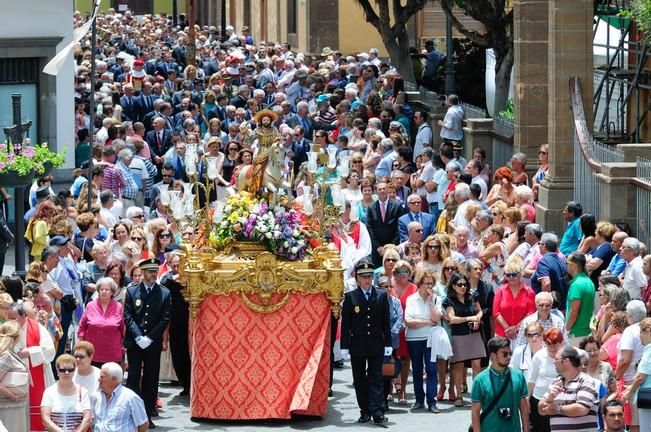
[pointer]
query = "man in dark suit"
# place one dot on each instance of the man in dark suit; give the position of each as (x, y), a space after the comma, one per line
(366, 334)
(415, 215)
(303, 119)
(147, 309)
(128, 103)
(382, 222)
(159, 140)
(179, 319)
(146, 102)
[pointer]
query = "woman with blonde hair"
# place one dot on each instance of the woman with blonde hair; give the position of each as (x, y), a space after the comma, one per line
(512, 216)
(139, 237)
(524, 201)
(66, 406)
(497, 211)
(513, 300)
(14, 380)
(433, 252)
(5, 302)
(494, 255)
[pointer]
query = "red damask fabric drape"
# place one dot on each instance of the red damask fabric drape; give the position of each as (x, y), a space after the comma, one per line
(247, 365)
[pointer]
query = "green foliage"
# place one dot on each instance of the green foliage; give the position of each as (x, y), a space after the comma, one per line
(25, 159)
(641, 13)
(509, 111)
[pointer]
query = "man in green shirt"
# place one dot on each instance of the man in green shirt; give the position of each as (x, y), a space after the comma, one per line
(511, 412)
(580, 299)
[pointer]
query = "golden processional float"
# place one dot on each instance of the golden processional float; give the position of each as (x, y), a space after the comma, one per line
(262, 282)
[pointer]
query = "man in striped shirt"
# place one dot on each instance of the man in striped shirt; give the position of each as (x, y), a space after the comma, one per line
(572, 400)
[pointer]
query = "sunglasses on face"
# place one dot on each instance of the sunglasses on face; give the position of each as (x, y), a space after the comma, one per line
(402, 272)
(461, 284)
(434, 246)
(164, 235)
(533, 335)
(390, 260)
(512, 275)
(80, 356)
(449, 268)
(66, 370)
(137, 239)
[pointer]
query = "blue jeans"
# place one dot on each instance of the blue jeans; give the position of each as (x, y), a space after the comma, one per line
(420, 355)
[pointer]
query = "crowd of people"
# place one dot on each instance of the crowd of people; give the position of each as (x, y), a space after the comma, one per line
(446, 269)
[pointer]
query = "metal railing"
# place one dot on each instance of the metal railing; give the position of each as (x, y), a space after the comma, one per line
(473, 112)
(411, 87)
(429, 97)
(589, 156)
(642, 183)
(503, 127)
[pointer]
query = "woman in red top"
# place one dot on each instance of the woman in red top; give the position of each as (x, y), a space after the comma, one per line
(403, 288)
(513, 300)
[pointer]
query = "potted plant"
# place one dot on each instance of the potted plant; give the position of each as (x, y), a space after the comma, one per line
(46, 160)
(19, 163)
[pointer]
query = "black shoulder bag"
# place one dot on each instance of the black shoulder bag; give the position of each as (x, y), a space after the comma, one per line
(495, 400)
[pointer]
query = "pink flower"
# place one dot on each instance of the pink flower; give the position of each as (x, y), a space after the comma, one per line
(29, 152)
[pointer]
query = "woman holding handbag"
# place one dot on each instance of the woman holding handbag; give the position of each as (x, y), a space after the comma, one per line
(14, 379)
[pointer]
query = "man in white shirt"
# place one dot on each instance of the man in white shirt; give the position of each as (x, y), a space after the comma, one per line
(423, 135)
(474, 167)
(462, 195)
(633, 279)
(107, 199)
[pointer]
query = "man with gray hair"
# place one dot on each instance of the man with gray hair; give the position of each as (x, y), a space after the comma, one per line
(542, 316)
(617, 263)
(117, 408)
(462, 196)
(130, 190)
(383, 168)
(483, 219)
(633, 279)
(551, 272)
(528, 250)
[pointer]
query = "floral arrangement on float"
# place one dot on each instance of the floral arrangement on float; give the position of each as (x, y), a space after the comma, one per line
(284, 229)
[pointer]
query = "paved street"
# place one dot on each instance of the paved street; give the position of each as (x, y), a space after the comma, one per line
(342, 413)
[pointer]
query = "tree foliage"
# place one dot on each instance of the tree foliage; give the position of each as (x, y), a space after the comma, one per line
(640, 12)
(496, 34)
(394, 31)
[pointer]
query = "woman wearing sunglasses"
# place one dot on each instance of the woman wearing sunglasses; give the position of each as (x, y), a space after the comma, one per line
(66, 405)
(513, 301)
(464, 315)
(402, 289)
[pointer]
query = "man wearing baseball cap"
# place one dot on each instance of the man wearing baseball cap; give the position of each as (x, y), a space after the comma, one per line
(147, 309)
(366, 335)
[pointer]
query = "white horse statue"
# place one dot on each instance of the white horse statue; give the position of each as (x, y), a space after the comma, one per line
(272, 179)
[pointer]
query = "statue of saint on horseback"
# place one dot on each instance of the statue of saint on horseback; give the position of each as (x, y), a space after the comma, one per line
(267, 168)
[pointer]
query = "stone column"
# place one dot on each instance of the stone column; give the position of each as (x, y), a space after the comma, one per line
(531, 97)
(618, 198)
(569, 54)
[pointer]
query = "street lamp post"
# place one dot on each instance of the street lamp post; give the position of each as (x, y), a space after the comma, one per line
(449, 53)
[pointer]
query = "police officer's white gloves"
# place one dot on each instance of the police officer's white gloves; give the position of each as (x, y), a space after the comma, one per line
(345, 354)
(388, 351)
(143, 341)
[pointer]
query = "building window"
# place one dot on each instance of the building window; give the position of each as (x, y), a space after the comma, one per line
(292, 24)
(247, 13)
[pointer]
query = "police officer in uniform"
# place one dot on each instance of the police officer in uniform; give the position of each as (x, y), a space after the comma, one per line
(147, 309)
(366, 335)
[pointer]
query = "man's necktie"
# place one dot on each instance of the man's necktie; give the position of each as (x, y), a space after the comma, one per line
(383, 210)
(417, 217)
(368, 295)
